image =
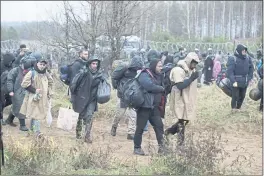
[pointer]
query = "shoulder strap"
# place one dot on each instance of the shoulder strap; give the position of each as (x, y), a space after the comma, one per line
(138, 74)
(33, 74)
(149, 72)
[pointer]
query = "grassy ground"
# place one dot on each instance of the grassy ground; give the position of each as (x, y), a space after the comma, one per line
(218, 142)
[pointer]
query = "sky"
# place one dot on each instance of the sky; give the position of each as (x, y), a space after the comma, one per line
(26, 11)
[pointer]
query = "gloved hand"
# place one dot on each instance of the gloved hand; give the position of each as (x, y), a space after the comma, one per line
(235, 84)
(194, 75)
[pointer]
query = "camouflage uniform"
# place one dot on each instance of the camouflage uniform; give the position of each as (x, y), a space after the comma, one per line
(120, 112)
(86, 119)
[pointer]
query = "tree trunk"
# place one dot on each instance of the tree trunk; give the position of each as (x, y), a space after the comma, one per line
(255, 23)
(213, 21)
(197, 19)
(230, 20)
(146, 27)
(207, 18)
(223, 29)
(168, 15)
(244, 20)
(188, 20)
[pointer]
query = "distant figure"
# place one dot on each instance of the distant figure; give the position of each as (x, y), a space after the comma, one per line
(217, 66)
(240, 72)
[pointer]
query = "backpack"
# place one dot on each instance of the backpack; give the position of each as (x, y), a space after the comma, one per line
(117, 75)
(77, 81)
(65, 73)
(133, 92)
(167, 82)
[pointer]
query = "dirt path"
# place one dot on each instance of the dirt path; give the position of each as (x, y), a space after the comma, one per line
(237, 143)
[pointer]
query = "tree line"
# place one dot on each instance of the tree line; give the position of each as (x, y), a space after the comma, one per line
(183, 20)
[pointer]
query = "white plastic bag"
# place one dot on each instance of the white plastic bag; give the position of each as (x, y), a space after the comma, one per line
(67, 119)
(49, 115)
(202, 79)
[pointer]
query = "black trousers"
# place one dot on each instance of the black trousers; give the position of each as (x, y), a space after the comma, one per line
(153, 115)
(238, 96)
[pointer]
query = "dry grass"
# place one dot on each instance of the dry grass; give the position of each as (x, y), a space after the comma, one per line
(205, 151)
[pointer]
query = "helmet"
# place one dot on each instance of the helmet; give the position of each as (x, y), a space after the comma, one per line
(255, 94)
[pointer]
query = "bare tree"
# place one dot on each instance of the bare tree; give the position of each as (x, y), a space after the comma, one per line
(223, 29)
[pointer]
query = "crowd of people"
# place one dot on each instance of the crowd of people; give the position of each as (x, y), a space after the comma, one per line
(26, 84)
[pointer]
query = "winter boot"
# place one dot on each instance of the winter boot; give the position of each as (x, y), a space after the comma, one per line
(130, 137)
(139, 151)
(113, 131)
(10, 120)
(23, 125)
(181, 133)
(79, 129)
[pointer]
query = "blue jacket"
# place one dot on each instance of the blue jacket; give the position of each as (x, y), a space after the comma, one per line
(240, 70)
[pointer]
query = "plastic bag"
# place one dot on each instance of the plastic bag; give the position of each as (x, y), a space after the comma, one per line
(67, 119)
(49, 115)
(202, 78)
(104, 92)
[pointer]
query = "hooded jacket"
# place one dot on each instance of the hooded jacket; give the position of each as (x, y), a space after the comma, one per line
(240, 68)
(87, 86)
(183, 102)
(153, 86)
(6, 64)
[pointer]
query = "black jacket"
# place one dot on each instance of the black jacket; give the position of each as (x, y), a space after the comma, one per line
(76, 66)
(153, 87)
(240, 70)
(14, 80)
(86, 90)
(6, 63)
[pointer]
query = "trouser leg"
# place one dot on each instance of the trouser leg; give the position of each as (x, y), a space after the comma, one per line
(120, 112)
(131, 127)
(143, 115)
(88, 129)
(241, 97)
(158, 127)
(79, 128)
(235, 94)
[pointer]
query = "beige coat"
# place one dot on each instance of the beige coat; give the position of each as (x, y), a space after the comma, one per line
(37, 109)
(183, 107)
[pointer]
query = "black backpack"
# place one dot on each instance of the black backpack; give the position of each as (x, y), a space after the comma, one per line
(77, 80)
(117, 81)
(65, 73)
(133, 92)
(167, 82)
